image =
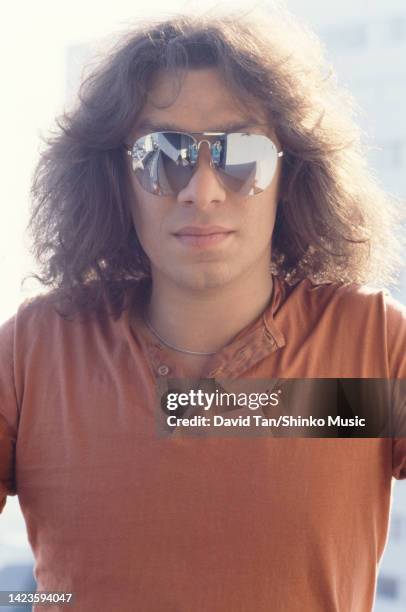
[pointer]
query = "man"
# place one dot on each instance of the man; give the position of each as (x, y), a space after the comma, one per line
(206, 210)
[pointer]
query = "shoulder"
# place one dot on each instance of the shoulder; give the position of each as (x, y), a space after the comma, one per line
(99, 301)
(349, 298)
(40, 318)
(349, 314)
(46, 319)
(34, 317)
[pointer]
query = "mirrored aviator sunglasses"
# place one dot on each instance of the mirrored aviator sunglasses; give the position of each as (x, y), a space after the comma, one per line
(164, 162)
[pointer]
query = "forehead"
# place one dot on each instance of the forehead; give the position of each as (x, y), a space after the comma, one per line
(201, 101)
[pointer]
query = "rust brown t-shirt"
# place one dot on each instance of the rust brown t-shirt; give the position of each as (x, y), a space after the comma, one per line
(130, 520)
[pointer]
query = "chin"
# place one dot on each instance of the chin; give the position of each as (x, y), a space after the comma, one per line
(208, 278)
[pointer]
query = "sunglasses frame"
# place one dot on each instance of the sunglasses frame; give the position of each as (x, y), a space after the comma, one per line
(198, 142)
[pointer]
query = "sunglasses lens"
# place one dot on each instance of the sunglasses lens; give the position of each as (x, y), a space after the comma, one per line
(160, 162)
(249, 163)
(163, 162)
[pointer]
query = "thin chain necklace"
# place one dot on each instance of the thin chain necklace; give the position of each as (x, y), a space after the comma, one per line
(168, 344)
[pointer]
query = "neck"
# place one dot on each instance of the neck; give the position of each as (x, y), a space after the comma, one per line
(207, 320)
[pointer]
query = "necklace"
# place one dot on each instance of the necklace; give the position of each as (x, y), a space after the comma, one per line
(168, 344)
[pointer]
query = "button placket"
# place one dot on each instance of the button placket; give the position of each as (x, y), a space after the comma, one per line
(163, 370)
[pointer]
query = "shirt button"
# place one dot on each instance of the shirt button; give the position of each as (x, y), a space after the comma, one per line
(163, 370)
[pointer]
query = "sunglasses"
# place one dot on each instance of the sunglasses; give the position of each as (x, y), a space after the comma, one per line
(164, 162)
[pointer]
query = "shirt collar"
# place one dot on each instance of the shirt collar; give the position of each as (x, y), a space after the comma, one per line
(251, 345)
(255, 342)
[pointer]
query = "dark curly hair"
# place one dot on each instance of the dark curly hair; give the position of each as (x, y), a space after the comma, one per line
(336, 223)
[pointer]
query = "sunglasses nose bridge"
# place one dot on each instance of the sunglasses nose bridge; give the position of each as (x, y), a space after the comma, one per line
(201, 142)
(199, 181)
(209, 149)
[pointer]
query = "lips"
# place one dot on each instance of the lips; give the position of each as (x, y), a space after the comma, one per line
(206, 230)
(198, 237)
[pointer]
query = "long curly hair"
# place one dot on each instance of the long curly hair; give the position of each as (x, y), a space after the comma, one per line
(334, 223)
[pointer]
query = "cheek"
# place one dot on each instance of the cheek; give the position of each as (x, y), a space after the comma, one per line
(144, 222)
(148, 216)
(138, 217)
(143, 211)
(259, 215)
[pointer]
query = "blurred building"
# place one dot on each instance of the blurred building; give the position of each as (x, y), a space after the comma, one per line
(365, 40)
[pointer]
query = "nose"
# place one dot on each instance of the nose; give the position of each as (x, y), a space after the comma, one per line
(204, 188)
